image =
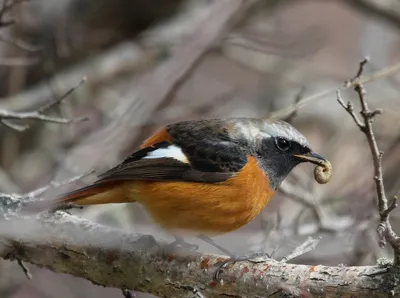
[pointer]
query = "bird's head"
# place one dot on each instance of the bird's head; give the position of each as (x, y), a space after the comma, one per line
(278, 147)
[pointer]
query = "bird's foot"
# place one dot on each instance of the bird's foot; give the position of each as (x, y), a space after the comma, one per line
(235, 258)
(180, 242)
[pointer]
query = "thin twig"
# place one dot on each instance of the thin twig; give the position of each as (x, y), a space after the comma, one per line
(24, 269)
(385, 230)
(350, 109)
(391, 207)
(306, 199)
(20, 44)
(38, 114)
(55, 184)
(58, 100)
(305, 247)
(6, 7)
(383, 73)
(17, 127)
(289, 118)
(35, 115)
(361, 69)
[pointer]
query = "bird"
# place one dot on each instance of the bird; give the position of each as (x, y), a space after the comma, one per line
(205, 177)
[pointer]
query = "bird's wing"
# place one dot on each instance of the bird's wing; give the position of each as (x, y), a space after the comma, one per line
(165, 161)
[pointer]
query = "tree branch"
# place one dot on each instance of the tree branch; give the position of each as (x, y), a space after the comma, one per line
(38, 114)
(389, 10)
(382, 73)
(119, 134)
(385, 230)
(6, 7)
(109, 257)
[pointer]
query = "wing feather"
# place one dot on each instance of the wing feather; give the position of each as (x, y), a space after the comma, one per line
(138, 167)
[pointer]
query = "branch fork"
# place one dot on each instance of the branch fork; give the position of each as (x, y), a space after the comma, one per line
(384, 229)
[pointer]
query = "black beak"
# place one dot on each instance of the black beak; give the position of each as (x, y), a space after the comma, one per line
(311, 157)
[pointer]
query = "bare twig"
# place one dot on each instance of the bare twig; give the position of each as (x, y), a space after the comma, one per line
(385, 230)
(350, 109)
(38, 114)
(361, 69)
(306, 199)
(6, 7)
(289, 118)
(14, 126)
(24, 269)
(58, 100)
(305, 247)
(383, 73)
(20, 44)
(35, 115)
(54, 184)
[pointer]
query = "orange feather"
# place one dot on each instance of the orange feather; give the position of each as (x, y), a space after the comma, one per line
(210, 208)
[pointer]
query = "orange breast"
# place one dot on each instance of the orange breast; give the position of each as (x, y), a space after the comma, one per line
(204, 207)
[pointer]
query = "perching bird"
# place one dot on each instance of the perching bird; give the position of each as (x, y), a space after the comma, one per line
(206, 177)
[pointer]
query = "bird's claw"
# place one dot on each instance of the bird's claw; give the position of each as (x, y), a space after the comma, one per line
(233, 259)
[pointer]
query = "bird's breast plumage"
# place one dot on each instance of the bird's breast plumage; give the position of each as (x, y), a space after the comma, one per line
(208, 208)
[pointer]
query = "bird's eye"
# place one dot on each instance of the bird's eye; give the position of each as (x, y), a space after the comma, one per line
(282, 144)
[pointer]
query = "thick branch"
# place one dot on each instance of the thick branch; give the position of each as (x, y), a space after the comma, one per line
(114, 258)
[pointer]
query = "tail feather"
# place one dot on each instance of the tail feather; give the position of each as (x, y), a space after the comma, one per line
(94, 194)
(105, 193)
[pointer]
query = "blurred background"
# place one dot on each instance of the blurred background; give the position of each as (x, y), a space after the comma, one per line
(135, 56)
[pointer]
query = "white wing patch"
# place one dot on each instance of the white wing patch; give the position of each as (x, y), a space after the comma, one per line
(171, 151)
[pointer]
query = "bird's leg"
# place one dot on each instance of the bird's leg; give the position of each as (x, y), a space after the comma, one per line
(233, 258)
(216, 245)
(220, 269)
(180, 242)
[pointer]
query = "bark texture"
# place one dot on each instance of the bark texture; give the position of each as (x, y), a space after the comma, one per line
(114, 258)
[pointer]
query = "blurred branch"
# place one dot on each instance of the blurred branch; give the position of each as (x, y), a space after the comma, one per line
(6, 7)
(114, 258)
(306, 199)
(289, 118)
(385, 230)
(305, 247)
(119, 134)
(55, 184)
(387, 9)
(123, 58)
(39, 114)
(364, 79)
(279, 42)
(7, 184)
(10, 61)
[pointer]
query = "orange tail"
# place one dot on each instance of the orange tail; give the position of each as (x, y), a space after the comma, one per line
(108, 193)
